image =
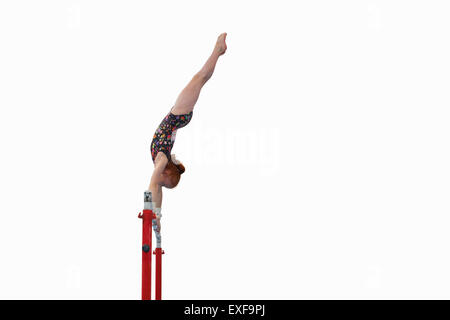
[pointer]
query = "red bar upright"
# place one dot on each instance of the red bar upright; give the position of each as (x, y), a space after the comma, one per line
(158, 252)
(146, 217)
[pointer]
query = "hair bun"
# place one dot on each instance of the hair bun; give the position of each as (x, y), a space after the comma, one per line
(180, 168)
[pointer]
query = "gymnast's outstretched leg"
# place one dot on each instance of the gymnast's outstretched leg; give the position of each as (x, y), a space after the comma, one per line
(188, 97)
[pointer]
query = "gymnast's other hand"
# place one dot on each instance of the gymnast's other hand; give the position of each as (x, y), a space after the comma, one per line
(158, 224)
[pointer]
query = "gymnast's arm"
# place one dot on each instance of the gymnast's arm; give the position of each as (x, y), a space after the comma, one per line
(156, 181)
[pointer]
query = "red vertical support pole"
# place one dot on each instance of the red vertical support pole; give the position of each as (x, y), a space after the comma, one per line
(158, 270)
(149, 221)
(146, 254)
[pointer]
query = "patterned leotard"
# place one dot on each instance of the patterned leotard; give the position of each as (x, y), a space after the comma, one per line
(164, 137)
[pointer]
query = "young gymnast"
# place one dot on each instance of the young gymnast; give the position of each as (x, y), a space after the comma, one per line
(167, 169)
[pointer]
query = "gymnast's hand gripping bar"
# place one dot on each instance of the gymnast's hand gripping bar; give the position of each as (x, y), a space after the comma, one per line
(148, 215)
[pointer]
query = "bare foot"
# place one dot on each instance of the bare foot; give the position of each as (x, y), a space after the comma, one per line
(221, 46)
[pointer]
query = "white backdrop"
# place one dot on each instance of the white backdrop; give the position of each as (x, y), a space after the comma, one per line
(316, 160)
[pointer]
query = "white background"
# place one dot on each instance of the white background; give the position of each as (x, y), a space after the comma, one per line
(316, 160)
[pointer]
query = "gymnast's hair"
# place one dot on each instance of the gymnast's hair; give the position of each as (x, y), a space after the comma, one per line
(174, 171)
